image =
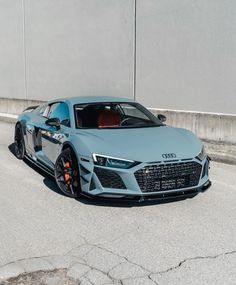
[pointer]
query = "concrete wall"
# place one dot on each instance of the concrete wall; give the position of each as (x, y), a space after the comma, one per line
(57, 48)
(186, 54)
(12, 71)
(185, 51)
(214, 127)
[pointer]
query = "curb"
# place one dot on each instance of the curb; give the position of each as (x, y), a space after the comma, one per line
(8, 118)
(220, 151)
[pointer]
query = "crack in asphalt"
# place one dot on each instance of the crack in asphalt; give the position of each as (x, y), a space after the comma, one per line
(126, 258)
(99, 270)
(194, 258)
(87, 279)
(147, 273)
(149, 277)
(147, 270)
(99, 246)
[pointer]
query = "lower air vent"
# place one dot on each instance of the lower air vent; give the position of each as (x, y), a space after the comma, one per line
(109, 179)
(92, 185)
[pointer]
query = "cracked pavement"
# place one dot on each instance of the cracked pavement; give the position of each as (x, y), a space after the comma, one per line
(184, 242)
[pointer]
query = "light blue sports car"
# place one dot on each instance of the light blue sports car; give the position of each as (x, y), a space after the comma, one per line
(113, 148)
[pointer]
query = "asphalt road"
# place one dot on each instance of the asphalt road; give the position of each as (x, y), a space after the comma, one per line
(192, 241)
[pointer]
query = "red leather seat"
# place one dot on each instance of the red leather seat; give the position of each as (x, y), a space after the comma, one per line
(108, 118)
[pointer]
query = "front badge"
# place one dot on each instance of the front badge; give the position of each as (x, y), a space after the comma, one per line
(168, 155)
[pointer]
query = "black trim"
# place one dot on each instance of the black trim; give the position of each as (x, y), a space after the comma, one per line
(50, 139)
(92, 185)
(41, 165)
(109, 178)
(206, 186)
(154, 197)
(84, 171)
(84, 159)
(84, 179)
(31, 108)
(174, 160)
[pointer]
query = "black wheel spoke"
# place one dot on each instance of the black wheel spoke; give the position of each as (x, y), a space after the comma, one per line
(66, 172)
(71, 189)
(63, 161)
(59, 175)
(62, 181)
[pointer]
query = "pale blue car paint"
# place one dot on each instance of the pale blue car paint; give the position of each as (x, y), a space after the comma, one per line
(145, 145)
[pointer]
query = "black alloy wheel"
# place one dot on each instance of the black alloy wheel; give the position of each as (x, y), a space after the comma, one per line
(67, 173)
(19, 142)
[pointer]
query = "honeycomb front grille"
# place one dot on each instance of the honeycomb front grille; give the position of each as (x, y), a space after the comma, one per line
(109, 179)
(165, 177)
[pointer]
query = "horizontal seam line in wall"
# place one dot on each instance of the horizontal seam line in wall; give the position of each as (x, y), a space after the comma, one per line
(8, 115)
(191, 112)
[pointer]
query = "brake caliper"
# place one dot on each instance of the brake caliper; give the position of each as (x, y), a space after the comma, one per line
(67, 172)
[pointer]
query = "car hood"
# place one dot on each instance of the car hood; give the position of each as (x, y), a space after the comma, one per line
(141, 144)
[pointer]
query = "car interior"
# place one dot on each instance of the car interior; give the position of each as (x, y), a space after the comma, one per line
(97, 116)
(109, 116)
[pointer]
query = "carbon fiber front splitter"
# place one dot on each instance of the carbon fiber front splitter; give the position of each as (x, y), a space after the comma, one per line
(183, 194)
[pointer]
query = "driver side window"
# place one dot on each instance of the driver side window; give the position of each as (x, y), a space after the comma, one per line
(60, 110)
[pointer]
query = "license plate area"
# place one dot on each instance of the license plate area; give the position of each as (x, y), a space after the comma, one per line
(171, 183)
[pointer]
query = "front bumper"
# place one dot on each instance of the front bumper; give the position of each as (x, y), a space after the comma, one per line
(123, 184)
(171, 196)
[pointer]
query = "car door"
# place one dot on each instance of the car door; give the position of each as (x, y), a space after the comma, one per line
(52, 137)
(32, 135)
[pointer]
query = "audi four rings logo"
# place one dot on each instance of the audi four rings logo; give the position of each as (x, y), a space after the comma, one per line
(169, 155)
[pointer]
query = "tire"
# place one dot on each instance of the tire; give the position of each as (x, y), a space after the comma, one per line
(19, 143)
(67, 173)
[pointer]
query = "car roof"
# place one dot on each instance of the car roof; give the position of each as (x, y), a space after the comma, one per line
(92, 99)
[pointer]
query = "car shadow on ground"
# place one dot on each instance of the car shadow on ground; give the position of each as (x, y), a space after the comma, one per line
(51, 184)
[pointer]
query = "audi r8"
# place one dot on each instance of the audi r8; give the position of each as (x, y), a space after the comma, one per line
(111, 147)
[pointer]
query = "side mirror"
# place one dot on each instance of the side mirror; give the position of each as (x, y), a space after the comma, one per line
(53, 122)
(161, 117)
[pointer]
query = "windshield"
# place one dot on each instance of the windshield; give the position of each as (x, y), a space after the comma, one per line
(114, 115)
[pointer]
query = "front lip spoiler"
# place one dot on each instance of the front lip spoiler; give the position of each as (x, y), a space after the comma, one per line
(205, 186)
(182, 194)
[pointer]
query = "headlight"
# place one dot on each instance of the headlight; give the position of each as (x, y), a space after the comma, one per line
(202, 154)
(107, 161)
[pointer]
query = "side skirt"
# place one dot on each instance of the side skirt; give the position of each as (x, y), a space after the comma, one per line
(40, 165)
